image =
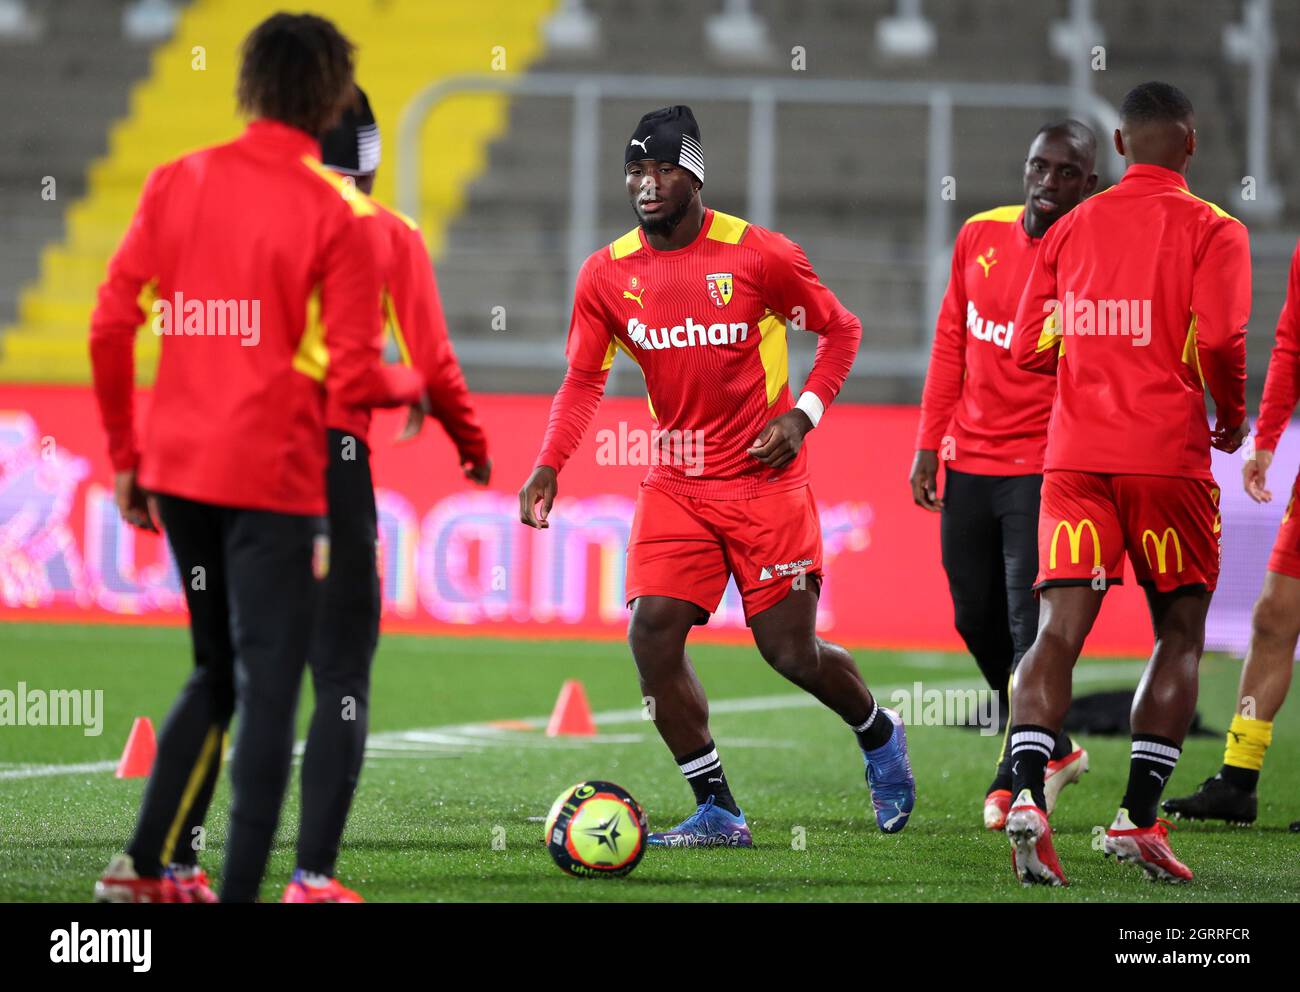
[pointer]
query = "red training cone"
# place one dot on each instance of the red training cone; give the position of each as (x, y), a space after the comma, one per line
(137, 756)
(571, 716)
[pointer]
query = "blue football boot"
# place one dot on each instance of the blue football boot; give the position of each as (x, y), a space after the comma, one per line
(709, 826)
(890, 779)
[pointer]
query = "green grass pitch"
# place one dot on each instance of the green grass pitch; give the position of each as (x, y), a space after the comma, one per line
(445, 800)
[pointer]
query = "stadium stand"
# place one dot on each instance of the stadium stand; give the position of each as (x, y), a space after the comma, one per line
(494, 195)
(187, 100)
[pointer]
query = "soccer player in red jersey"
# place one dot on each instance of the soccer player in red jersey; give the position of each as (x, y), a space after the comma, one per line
(347, 625)
(699, 300)
(268, 290)
(1270, 657)
(988, 417)
(1137, 301)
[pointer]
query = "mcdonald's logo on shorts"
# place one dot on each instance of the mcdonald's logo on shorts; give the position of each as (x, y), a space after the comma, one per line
(1074, 534)
(1161, 545)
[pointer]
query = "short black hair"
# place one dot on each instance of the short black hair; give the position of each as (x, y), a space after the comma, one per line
(296, 69)
(1075, 131)
(1155, 103)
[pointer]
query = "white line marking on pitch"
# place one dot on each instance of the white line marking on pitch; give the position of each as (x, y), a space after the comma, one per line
(459, 739)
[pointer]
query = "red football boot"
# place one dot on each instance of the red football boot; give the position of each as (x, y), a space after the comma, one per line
(300, 890)
(1145, 846)
(1032, 856)
(120, 883)
(191, 884)
(996, 806)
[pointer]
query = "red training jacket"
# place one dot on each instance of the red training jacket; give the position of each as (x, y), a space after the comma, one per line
(1138, 301)
(995, 412)
(413, 311)
(262, 265)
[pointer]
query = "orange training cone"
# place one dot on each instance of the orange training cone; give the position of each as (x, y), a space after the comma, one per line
(571, 716)
(137, 756)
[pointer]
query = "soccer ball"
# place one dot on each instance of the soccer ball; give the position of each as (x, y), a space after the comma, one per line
(596, 829)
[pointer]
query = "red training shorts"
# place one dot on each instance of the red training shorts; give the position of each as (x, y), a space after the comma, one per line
(1285, 559)
(686, 547)
(1169, 525)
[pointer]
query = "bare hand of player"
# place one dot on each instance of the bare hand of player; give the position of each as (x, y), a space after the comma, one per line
(132, 502)
(413, 425)
(480, 475)
(1229, 439)
(1254, 476)
(925, 473)
(781, 438)
(540, 487)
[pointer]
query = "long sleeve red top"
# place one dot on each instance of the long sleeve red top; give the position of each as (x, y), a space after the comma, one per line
(1138, 301)
(413, 312)
(267, 293)
(706, 324)
(1282, 385)
(995, 412)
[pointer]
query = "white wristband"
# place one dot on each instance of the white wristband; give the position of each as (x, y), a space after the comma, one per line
(812, 405)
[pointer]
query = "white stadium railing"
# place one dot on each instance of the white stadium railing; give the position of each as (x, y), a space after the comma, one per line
(762, 96)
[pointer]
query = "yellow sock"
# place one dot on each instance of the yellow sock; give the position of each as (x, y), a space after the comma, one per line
(1247, 741)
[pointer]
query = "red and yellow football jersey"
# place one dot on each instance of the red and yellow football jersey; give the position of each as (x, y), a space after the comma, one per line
(706, 324)
(1138, 300)
(994, 412)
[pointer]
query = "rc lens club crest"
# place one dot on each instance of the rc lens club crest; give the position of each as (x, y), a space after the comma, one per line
(720, 286)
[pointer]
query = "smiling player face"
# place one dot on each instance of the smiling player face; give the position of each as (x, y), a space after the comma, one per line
(660, 193)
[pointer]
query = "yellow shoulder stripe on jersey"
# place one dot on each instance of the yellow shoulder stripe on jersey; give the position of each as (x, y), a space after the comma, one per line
(610, 352)
(395, 326)
(147, 298)
(357, 200)
(609, 360)
(774, 354)
(626, 245)
(1218, 210)
(1004, 215)
(1190, 353)
(402, 217)
(726, 228)
(312, 357)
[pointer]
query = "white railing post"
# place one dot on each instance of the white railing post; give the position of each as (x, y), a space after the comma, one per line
(938, 208)
(1073, 40)
(1252, 42)
(584, 179)
(586, 91)
(762, 157)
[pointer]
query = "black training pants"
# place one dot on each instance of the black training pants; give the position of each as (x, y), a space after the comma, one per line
(249, 583)
(989, 535)
(343, 646)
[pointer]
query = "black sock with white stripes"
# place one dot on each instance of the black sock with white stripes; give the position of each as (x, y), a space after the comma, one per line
(703, 770)
(1031, 747)
(1151, 763)
(875, 730)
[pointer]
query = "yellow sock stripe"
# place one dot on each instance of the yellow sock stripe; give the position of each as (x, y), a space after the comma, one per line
(1006, 734)
(211, 750)
(1247, 740)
